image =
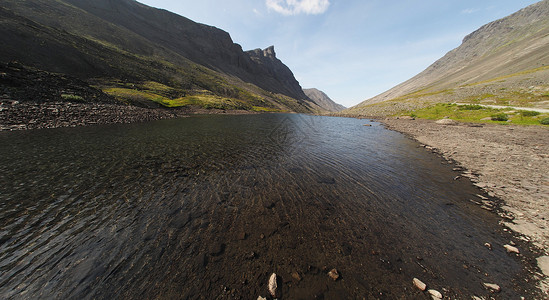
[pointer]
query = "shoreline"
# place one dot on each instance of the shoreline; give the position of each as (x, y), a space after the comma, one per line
(507, 162)
(18, 115)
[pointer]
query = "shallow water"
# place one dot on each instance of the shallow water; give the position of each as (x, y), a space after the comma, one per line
(208, 207)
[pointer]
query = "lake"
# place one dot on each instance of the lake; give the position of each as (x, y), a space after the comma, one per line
(208, 207)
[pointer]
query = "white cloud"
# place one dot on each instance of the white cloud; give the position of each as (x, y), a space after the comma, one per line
(295, 7)
(469, 11)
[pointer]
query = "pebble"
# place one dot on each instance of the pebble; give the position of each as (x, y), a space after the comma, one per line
(488, 245)
(296, 276)
(511, 249)
(482, 197)
(242, 236)
(419, 284)
(435, 294)
(333, 274)
(272, 285)
(492, 286)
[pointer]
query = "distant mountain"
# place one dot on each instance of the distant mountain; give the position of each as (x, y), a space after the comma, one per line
(323, 100)
(118, 42)
(504, 62)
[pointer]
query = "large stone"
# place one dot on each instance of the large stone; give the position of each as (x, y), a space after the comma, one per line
(273, 285)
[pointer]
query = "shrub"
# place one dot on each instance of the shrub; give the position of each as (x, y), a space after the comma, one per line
(545, 121)
(500, 117)
(529, 113)
(71, 97)
(471, 107)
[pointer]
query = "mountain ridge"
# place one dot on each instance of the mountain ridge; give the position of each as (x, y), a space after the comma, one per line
(503, 49)
(128, 40)
(323, 100)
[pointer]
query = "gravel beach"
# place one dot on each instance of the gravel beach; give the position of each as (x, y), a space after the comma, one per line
(509, 162)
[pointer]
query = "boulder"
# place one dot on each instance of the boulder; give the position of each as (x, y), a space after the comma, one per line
(446, 122)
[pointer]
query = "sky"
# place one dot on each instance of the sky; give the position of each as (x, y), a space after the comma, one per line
(350, 49)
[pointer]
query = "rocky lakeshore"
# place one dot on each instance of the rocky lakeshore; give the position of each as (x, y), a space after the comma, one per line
(33, 99)
(15, 115)
(508, 162)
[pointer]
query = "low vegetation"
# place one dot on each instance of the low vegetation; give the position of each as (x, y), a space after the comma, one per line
(71, 97)
(479, 114)
(150, 93)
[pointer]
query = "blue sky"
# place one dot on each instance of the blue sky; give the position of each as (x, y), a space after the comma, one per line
(350, 49)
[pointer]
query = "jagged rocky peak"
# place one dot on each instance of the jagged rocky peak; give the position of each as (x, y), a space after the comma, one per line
(268, 52)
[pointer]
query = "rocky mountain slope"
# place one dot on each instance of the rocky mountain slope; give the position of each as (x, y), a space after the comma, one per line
(505, 62)
(320, 98)
(116, 43)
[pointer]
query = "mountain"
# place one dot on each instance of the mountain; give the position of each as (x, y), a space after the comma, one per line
(505, 62)
(323, 100)
(120, 44)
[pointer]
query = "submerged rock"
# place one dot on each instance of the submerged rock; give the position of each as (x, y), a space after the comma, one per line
(494, 287)
(419, 284)
(296, 276)
(435, 294)
(333, 274)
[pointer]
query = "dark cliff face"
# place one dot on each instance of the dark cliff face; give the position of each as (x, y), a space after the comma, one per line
(142, 30)
(272, 72)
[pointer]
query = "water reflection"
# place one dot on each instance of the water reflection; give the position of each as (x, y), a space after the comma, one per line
(209, 207)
